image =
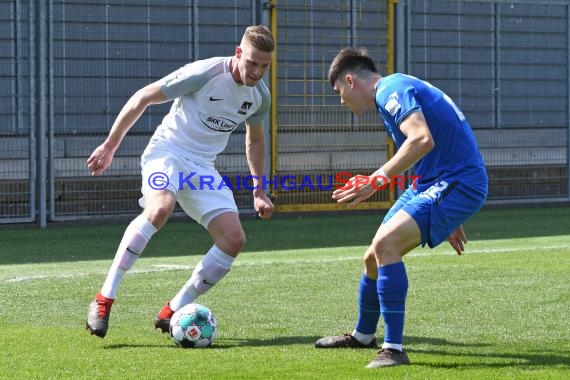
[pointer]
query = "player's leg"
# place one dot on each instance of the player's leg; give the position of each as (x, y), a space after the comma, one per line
(216, 211)
(427, 218)
(394, 239)
(229, 239)
(368, 306)
(363, 335)
(158, 208)
(158, 205)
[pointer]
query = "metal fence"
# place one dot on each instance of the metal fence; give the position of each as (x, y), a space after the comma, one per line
(316, 137)
(506, 63)
(66, 68)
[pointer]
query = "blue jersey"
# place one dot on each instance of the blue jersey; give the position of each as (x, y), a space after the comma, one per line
(455, 153)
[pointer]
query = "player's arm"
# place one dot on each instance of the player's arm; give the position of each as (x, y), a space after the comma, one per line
(457, 239)
(418, 143)
(102, 156)
(255, 153)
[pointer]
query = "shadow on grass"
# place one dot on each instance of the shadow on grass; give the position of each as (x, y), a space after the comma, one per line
(494, 358)
(231, 343)
(413, 340)
(276, 341)
(482, 354)
(120, 346)
(183, 237)
(294, 340)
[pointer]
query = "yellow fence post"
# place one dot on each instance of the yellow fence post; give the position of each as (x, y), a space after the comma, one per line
(391, 66)
(311, 200)
(273, 89)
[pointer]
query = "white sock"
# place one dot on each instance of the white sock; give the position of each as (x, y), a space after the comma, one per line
(363, 338)
(135, 239)
(393, 346)
(211, 269)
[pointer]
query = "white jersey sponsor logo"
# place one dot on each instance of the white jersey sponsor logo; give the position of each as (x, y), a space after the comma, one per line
(218, 123)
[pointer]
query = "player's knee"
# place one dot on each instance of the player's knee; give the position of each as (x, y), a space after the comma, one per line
(370, 264)
(380, 247)
(159, 214)
(239, 240)
(158, 207)
(369, 257)
(232, 242)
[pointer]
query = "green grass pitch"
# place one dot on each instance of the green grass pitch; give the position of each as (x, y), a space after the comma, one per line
(500, 311)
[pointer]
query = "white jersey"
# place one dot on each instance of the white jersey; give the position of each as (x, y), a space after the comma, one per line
(209, 105)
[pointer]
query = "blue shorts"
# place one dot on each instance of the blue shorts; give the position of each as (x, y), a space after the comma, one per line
(440, 207)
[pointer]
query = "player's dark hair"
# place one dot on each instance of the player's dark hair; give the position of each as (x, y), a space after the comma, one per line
(350, 59)
(260, 38)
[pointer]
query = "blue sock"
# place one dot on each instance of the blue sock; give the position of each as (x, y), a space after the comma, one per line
(368, 306)
(392, 290)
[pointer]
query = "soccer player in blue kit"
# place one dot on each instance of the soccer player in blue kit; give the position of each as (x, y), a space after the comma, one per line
(434, 137)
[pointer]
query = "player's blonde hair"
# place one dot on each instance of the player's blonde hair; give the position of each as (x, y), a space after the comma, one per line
(260, 38)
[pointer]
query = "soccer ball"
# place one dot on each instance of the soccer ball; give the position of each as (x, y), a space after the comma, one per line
(193, 326)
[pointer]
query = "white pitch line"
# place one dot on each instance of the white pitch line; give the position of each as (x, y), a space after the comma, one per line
(262, 262)
(26, 278)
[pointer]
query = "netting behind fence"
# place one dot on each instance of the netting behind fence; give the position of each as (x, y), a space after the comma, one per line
(317, 137)
(506, 65)
(67, 67)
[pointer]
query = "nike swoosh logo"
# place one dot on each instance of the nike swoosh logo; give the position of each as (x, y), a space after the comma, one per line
(212, 99)
(208, 283)
(133, 252)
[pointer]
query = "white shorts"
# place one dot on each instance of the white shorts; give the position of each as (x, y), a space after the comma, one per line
(198, 187)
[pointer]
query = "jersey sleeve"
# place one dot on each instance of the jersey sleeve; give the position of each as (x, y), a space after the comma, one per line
(258, 118)
(190, 78)
(398, 101)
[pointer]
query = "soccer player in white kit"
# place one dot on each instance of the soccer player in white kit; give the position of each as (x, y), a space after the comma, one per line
(211, 98)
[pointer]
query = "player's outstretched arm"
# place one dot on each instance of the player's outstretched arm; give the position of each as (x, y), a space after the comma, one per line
(418, 143)
(356, 190)
(102, 156)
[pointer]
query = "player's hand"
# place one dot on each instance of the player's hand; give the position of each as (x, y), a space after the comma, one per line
(262, 204)
(100, 159)
(356, 190)
(457, 239)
